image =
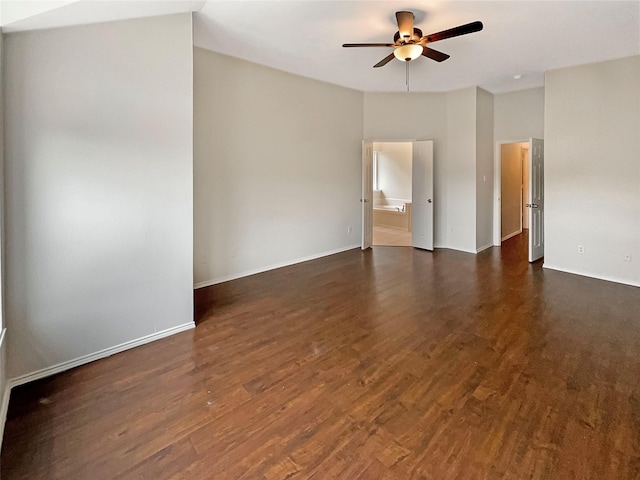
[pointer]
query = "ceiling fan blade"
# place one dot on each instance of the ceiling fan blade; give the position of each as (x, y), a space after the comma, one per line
(454, 32)
(368, 45)
(405, 24)
(384, 61)
(434, 54)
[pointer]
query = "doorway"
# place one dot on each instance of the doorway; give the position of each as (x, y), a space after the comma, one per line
(519, 199)
(514, 175)
(397, 192)
(391, 187)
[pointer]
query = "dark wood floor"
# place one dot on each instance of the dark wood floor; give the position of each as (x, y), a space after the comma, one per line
(393, 363)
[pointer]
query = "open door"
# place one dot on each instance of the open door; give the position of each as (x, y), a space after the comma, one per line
(536, 205)
(422, 196)
(367, 194)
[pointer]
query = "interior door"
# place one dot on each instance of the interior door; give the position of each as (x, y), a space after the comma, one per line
(422, 195)
(367, 194)
(536, 191)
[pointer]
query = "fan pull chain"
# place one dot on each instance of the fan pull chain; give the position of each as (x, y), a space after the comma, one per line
(407, 80)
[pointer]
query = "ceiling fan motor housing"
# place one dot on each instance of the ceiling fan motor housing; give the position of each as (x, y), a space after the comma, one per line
(417, 35)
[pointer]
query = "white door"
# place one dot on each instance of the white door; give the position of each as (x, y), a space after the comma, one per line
(422, 196)
(536, 207)
(367, 195)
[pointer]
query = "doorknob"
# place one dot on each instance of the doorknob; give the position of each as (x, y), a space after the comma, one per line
(364, 200)
(531, 205)
(429, 201)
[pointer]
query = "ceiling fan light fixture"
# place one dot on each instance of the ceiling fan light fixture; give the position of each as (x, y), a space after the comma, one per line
(406, 53)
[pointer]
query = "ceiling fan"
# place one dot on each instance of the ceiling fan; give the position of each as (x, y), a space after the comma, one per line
(408, 42)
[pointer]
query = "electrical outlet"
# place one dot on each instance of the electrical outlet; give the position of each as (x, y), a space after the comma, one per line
(203, 257)
(349, 230)
(234, 252)
(580, 248)
(627, 257)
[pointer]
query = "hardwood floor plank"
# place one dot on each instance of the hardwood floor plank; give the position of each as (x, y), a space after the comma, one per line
(394, 363)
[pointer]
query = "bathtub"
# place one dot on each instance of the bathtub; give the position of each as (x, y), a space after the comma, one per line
(392, 213)
(391, 208)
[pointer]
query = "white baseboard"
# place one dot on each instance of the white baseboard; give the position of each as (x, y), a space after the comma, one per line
(481, 249)
(591, 275)
(460, 249)
(6, 391)
(266, 268)
(507, 237)
(107, 352)
(4, 408)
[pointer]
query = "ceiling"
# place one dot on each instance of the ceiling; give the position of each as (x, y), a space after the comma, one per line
(304, 37)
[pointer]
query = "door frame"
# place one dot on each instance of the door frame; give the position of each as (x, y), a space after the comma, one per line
(497, 189)
(525, 188)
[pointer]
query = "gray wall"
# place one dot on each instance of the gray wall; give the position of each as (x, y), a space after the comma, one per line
(99, 191)
(484, 169)
(3, 338)
(518, 115)
(395, 168)
(277, 167)
(461, 169)
(592, 169)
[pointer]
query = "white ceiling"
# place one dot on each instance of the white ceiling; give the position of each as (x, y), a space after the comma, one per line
(305, 36)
